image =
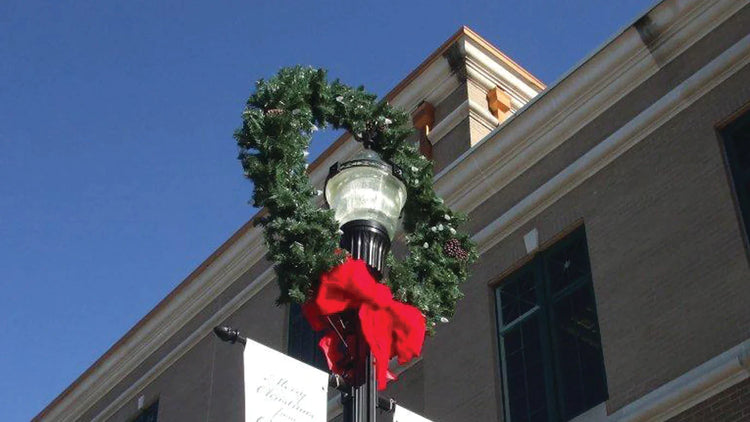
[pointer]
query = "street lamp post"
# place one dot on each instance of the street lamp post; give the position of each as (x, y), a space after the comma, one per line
(367, 196)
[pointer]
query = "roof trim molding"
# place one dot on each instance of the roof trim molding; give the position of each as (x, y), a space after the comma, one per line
(667, 107)
(691, 388)
(562, 110)
(206, 329)
(152, 331)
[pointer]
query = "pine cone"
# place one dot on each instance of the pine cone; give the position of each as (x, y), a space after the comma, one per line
(453, 249)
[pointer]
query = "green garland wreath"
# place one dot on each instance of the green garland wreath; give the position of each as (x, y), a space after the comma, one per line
(302, 238)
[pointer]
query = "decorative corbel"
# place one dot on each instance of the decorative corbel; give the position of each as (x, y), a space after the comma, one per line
(423, 119)
(498, 102)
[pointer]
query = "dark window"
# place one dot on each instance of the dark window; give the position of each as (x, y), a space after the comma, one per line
(550, 349)
(303, 341)
(737, 143)
(148, 414)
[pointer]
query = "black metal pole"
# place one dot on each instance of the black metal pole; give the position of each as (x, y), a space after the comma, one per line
(369, 241)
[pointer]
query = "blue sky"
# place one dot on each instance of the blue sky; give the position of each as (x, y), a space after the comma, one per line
(118, 171)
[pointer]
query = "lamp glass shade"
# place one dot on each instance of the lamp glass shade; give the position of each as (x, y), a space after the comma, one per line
(366, 189)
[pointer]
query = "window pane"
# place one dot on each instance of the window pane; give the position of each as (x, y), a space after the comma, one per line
(579, 354)
(524, 372)
(737, 144)
(149, 414)
(740, 138)
(517, 296)
(567, 263)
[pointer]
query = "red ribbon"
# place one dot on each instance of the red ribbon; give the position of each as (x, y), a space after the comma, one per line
(390, 328)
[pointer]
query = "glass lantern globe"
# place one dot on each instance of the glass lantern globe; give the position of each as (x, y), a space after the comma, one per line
(366, 188)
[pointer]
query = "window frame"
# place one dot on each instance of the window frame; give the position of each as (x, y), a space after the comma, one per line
(726, 132)
(544, 308)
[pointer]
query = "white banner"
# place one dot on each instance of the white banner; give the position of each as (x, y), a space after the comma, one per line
(279, 388)
(405, 415)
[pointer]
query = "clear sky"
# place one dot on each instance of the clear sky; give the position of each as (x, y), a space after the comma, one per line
(118, 171)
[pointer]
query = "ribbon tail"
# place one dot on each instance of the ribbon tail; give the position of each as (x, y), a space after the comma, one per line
(329, 344)
(377, 328)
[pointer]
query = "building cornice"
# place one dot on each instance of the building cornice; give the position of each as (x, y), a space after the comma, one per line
(205, 329)
(489, 72)
(678, 99)
(159, 325)
(500, 57)
(562, 110)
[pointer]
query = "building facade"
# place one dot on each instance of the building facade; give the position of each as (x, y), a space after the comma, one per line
(611, 212)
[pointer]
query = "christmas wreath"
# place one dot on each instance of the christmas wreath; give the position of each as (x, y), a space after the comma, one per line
(303, 239)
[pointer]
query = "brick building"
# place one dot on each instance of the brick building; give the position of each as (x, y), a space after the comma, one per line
(612, 214)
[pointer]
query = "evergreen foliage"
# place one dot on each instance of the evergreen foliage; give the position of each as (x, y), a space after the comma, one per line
(277, 126)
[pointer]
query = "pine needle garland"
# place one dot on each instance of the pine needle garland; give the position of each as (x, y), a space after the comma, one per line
(277, 126)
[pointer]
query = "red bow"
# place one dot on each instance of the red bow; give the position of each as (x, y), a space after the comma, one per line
(390, 328)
